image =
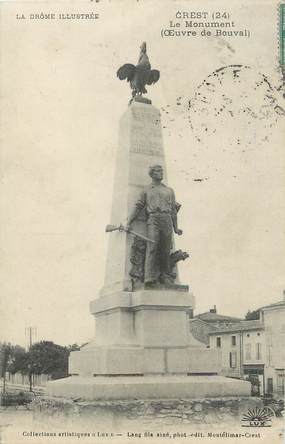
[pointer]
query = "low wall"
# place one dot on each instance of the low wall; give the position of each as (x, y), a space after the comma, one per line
(145, 413)
(19, 378)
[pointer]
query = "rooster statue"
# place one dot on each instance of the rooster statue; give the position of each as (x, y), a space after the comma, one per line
(139, 75)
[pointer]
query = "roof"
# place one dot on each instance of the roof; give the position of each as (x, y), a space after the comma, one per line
(276, 304)
(214, 317)
(239, 326)
(200, 329)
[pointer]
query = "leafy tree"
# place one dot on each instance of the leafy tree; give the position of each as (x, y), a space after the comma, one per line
(252, 315)
(10, 360)
(43, 357)
(48, 358)
(18, 360)
(5, 354)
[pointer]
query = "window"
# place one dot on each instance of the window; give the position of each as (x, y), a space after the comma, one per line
(234, 340)
(233, 359)
(258, 351)
(248, 352)
(248, 335)
(218, 342)
(269, 386)
(281, 383)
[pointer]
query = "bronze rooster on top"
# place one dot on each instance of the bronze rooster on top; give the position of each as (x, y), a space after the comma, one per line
(139, 75)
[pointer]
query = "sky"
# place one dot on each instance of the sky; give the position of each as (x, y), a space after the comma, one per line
(61, 105)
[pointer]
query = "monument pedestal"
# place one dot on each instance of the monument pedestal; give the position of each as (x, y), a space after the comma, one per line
(138, 333)
(144, 349)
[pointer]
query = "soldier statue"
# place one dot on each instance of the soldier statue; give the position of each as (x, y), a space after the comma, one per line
(158, 201)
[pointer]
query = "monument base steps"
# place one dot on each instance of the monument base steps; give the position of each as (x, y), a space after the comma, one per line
(148, 387)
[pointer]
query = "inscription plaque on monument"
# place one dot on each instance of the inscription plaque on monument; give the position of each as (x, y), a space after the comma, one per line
(151, 148)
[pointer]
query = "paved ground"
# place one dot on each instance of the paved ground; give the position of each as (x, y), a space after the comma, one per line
(14, 421)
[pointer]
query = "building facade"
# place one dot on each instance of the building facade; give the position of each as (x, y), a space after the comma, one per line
(253, 356)
(273, 319)
(243, 351)
(254, 350)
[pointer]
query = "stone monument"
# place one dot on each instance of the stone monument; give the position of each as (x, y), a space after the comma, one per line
(143, 347)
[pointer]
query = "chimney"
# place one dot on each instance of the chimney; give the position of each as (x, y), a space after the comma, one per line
(214, 310)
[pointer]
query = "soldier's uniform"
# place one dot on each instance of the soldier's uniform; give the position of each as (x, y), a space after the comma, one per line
(159, 204)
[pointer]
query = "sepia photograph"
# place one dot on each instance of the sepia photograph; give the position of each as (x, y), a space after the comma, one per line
(142, 276)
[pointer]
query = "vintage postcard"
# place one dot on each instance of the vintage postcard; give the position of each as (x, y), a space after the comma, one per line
(142, 221)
